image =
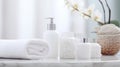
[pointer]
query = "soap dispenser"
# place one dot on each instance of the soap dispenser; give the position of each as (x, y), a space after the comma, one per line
(52, 37)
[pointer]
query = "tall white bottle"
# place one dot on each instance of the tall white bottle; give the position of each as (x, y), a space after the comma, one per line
(53, 38)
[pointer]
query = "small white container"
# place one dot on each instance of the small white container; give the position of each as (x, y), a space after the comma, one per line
(83, 51)
(67, 46)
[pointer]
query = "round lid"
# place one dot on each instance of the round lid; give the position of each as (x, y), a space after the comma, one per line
(109, 29)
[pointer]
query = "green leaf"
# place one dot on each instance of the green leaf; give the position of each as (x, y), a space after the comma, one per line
(117, 23)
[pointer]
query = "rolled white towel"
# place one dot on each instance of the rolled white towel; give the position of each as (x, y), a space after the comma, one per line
(26, 49)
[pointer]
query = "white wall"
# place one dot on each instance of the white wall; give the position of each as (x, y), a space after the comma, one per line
(27, 19)
(10, 18)
(116, 9)
(0, 18)
(43, 11)
(62, 16)
(79, 24)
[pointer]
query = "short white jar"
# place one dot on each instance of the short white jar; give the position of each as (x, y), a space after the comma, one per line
(83, 50)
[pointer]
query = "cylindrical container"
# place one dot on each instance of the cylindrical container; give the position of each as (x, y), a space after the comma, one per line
(52, 37)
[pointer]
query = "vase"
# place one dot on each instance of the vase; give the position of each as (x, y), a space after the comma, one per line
(109, 39)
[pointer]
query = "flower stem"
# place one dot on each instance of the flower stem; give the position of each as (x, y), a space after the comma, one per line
(109, 20)
(85, 14)
(103, 10)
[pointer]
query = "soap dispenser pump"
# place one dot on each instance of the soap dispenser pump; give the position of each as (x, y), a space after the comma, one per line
(51, 26)
(53, 38)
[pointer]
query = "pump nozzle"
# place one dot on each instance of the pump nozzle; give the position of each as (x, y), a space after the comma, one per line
(51, 26)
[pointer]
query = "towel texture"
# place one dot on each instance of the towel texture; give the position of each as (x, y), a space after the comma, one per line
(26, 49)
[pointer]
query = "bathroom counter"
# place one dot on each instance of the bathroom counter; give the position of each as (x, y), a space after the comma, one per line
(105, 61)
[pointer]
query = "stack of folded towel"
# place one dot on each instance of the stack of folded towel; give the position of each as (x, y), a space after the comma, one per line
(25, 49)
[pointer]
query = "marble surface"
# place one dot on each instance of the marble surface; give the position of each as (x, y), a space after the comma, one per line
(105, 61)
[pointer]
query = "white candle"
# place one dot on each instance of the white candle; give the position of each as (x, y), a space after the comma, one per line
(95, 50)
(83, 51)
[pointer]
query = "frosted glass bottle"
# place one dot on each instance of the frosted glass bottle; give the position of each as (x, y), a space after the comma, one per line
(53, 38)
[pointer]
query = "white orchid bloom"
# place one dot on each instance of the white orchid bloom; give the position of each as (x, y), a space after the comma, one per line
(89, 13)
(90, 9)
(97, 16)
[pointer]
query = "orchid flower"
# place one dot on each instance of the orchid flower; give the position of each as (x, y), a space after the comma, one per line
(86, 14)
(90, 13)
(97, 16)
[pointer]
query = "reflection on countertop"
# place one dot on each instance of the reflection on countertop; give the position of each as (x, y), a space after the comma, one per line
(104, 61)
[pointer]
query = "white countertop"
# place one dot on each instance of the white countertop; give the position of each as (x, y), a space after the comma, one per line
(105, 61)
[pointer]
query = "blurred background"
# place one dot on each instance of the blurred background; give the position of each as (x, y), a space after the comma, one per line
(27, 18)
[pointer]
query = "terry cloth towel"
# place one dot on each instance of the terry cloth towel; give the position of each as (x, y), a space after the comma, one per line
(26, 49)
